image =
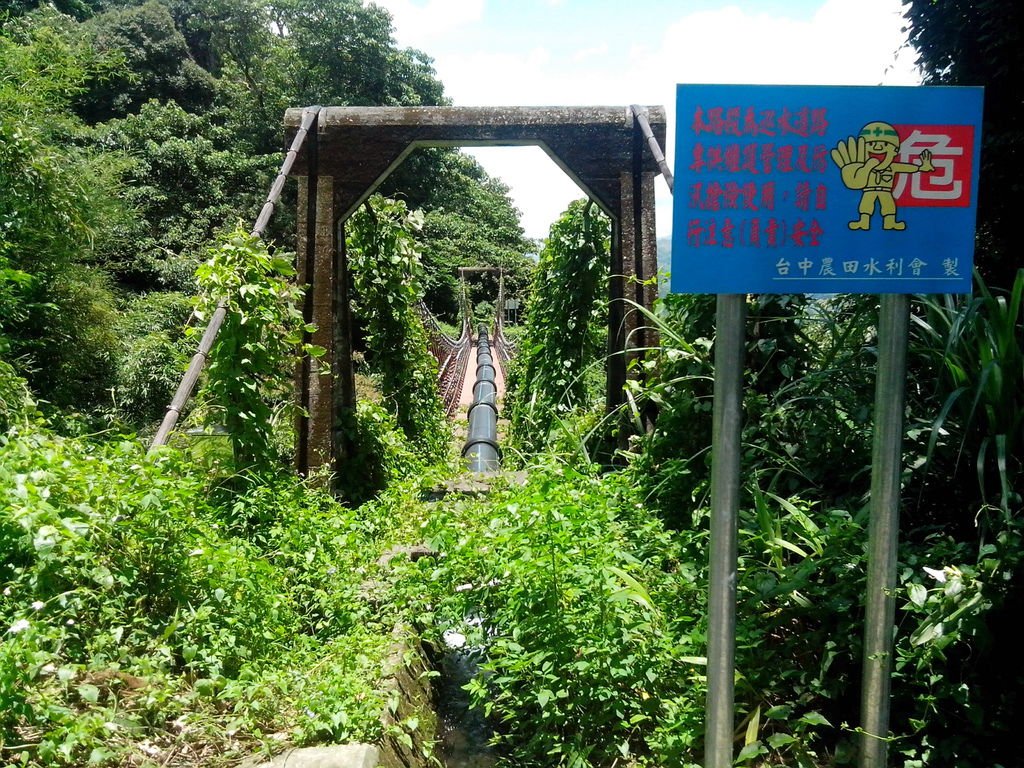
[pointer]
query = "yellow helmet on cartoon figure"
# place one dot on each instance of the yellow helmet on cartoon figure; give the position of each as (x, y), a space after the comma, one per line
(879, 131)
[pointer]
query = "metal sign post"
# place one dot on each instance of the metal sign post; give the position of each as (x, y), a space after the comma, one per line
(819, 189)
(725, 498)
(883, 532)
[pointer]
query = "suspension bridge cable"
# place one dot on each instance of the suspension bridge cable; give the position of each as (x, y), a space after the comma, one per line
(195, 368)
(652, 142)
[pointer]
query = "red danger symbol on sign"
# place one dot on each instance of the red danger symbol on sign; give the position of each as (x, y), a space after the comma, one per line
(952, 150)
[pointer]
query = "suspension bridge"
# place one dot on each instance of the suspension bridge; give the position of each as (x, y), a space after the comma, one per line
(341, 155)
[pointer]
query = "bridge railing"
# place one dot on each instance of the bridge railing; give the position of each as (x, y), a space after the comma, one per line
(503, 347)
(195, 368)
(452, 356)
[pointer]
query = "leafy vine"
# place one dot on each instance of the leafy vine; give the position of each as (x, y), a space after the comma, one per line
(386, 275)
(252, 362)
(563, 334)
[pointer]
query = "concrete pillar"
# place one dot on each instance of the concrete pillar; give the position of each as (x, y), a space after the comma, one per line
(622, 253)
(316, 438)
(648, 249)
(344, 368)
(637, 262)
(639, 256)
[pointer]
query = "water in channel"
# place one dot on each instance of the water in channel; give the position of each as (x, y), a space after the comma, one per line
(464, 731)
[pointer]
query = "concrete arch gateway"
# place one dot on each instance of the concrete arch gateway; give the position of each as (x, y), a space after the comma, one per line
(351, 150)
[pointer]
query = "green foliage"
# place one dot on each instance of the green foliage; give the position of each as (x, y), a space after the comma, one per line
(564, 335)
(56, 320)
(958, 685)
(156, 64)
(103, 572)
(386, 270)
(380, 454)
(976, 42)
(670, 462)
(588, 617)
(468, 221)
(153, 352)
(188, 181)
(798, 632)
(143, 615)
(80, 9)
(253, 360)
(587, 656)
(74, 344)
(15, 401)
(809, 376)
(806, 440)
(977, 343)
(147, 615)
(192, 94)
(271, 55)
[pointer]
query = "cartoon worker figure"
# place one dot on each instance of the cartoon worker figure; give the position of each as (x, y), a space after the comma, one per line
(867, 163)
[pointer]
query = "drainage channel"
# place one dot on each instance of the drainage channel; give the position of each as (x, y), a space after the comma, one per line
(464, 732)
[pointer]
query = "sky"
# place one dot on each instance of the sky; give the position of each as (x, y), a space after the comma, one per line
(620, 52)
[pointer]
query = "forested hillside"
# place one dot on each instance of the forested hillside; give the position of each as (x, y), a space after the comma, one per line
(134, 132)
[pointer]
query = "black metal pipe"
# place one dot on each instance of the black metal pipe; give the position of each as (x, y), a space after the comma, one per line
(484, 391)
(481, 449)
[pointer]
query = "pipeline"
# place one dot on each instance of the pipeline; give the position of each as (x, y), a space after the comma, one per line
(481, 450)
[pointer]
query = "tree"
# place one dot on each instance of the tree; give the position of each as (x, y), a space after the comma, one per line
(469, 221)
(58, 200)
(79, 9)
(978, 42)
(157, 64)
(187, 182)
(284, 53)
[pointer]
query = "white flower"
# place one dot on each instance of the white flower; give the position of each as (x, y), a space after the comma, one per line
(18, 626)
(38, 605)
(939, 576)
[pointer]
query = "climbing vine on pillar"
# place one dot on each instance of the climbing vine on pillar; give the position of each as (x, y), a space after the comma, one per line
(386, 275)
(251, 365)
(565, 328)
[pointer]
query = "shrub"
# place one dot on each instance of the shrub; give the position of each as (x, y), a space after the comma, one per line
(253, 360)
(152, 356)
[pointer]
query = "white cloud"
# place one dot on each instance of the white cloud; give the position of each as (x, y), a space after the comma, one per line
(418, 25)
(590, 53)
(849, 42)
(481, 78)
